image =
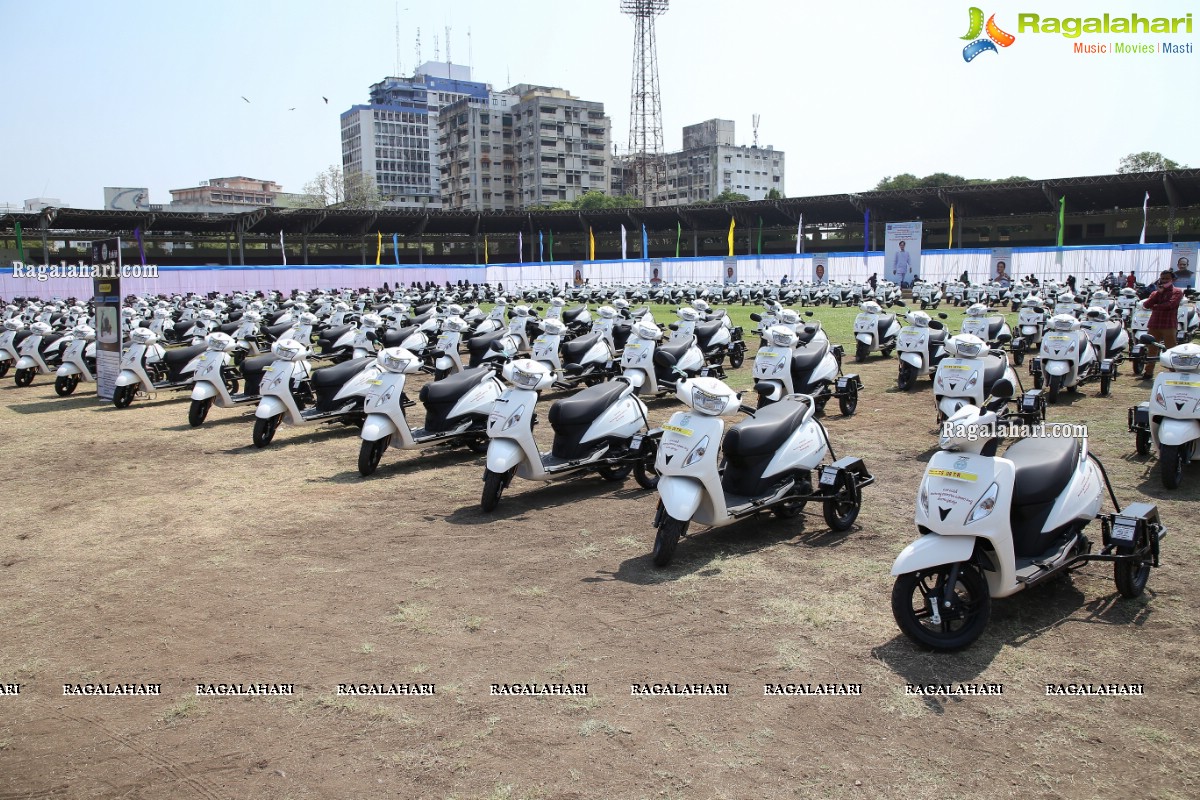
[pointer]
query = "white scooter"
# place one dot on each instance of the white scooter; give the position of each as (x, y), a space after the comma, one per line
(78, 361)
(147, 367)
(1139, 324)
(456, 409)
(653, 368)
(990, 329)
(1169, 421)
(770, 462)
(15, 332)
(217, 378)
(874, 330)
(1031, 326)
(602, 429)
(1068, 359)
(590, 359)
(447, 360)
(967, 374)
(291, 391)
(920, 348)
(803, 363)
(40, 353)
(995, 525)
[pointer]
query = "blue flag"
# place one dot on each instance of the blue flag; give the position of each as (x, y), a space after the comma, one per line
(541, 249)
(645, 242)
(396, 247)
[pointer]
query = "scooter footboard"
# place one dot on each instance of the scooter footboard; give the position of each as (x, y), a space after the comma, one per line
(933, 550)
(680, 496)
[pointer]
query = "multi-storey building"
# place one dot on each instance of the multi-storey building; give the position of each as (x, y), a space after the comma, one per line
(394, 138)
(561, 145)
(229, 195)
(711, 163)
(476, 153)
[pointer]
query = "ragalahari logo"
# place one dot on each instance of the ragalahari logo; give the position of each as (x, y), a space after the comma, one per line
(995, 36)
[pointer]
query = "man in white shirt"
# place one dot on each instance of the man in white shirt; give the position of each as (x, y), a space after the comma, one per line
(901, 264)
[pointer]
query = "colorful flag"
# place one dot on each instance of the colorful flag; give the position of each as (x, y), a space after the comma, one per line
(591, 244)
(1062, 216)
(950, 244)
(645, 242)
(624, 255)
(1145, 211)
(20, 243)
(760, 236)
(137, 234)
(520, 247)
(396, 247)
(485, 249)
(378, 247)
(732, 225)
(678, 236)
(800, 235)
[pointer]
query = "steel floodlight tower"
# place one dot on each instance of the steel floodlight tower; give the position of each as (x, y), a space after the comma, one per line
(645, 108)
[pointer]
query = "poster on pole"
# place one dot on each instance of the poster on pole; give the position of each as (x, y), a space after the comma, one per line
(109, 333)
(820, 269)
(1001, 271)
(730, 267)
(902, 252)
(655, 272)
(1183, 263)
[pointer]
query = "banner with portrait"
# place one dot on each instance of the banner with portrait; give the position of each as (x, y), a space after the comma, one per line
(902, 252)
(1183, 264)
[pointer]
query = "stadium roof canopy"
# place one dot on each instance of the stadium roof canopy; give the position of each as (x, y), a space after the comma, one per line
(1171, 189)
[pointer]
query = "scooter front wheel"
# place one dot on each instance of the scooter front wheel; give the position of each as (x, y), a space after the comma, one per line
(666, 540)
(906, 377)
(493, 487)
(1170, 459)
(841, 512)
(4, 366)
(861, 351)
(64, 385)
(961, 619)
(1018, 357)
(737, 357)
(198, 411)
(370, 453)
(123, 396)
(23, 377)
(264, 429)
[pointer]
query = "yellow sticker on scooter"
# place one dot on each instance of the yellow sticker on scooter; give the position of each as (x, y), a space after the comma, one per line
(768, 353)
(949, 473)
(953, 366)
(375, 383)
(268, 369)
(1182, 383)
(677, 429)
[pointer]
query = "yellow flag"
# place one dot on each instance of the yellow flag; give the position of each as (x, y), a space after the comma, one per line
(485, 250)
(951, 243)
(732, 223)
(379, 248)
(592, 240)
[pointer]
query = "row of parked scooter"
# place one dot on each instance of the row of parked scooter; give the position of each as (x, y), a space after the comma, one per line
(991, 525)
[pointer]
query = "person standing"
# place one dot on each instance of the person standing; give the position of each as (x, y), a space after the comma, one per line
(901, 264)
(1164, 317)
(1131, 281)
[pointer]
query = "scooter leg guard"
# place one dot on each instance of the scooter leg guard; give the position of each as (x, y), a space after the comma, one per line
(680, 496)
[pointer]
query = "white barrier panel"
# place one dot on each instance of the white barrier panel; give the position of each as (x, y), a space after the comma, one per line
(1053, 263)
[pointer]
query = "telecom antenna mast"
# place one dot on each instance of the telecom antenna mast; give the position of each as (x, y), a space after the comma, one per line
(645, 108)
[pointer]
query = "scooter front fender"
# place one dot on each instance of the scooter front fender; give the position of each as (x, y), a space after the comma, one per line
(949, 406)
(378, 426)
(914, 359)
(503, 455)
(932, 550)
(680, 496)
(26, 362)
(269, 407)
(128, 378)
(68, 369)
(1056, 367)
(203, 390)
(636, 377)
(865, 338)
(1178, 431)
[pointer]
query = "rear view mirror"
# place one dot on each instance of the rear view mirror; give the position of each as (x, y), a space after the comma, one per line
(1002, 388)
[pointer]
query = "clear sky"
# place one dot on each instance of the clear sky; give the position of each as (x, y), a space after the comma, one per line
(150, 94)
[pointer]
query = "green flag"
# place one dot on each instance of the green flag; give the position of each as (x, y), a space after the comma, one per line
(678, 236)
(1062, 215)
(552, 245)
(760, 236)
(20, 243)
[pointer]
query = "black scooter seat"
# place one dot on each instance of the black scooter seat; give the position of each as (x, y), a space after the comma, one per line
(706, 331)
(338, 374)
(48, 340)
(392, 337)
(453, 387)
(331, 335)
(180, 328)
(478, 346)
(275, 331)
(177, 359)
(1111, 332)
(885, 323)
(228, 327)
(1044, 468)
(675, 349)
(937, 336)
(585, 406)
(994, 326)
(572, 314)
(574, 350)
(765, 431)
(994, 368)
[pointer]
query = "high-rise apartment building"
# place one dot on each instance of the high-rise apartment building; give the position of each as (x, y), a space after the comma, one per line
(476, 153)
(711, 163)
(394, 138)
(561, 145)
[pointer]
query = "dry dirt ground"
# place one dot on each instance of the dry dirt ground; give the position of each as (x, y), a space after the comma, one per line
(136, 549)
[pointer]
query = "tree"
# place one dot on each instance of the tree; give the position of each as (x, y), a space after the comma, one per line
(1147, 162)
(907, 180)
(727, 196)
(590, 201)
(774, 194)
(333, 189)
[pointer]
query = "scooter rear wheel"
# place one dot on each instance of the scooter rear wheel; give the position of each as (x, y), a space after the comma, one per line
(666, 540)
(198, 411)
(960, 625)
(737, 357)
(644, 471)
(370, 453)
(1141, 442)
(264, 429)
(23, 377)
(616, 472)
(64, 385)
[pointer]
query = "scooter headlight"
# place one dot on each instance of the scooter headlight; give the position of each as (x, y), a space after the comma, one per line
(1185, 360)
(923, 498)
(986, 504)
(697, 452)
(514, 418)
(524, 379)
(391, 362)
(708, 403)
